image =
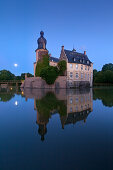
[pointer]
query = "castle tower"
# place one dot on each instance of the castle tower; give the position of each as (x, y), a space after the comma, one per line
(41, 50)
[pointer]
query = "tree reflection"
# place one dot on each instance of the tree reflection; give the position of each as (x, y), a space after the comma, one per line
(72, 106)
(105, 95)
(6, 94)
(46, 107)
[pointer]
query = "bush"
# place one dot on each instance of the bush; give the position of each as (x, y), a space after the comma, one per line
(41, 64)
(62, 67)
(49, 74)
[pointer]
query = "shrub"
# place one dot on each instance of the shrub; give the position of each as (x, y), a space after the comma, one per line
(41, 64)
(49, 74)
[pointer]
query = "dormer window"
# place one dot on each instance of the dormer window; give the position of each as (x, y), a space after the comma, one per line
(80, 61)
(87, 62)
(83, 61)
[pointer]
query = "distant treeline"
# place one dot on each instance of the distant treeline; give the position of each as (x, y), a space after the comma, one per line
(105, 75)
(7, 75)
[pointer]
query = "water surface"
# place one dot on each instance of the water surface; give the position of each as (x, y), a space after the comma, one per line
(43, 129)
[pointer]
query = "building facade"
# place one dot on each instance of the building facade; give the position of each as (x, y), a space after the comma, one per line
(79, 68)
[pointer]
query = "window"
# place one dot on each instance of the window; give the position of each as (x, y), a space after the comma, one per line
(83, 61)
(71, 74)
(71, 65)
(81, 107)
(76, 66)
(70, 109)
(88, 77)
(88, 68)
(76, 100)
(85, 76)
(71, 101)
(82, 99)
(76, 108)
(81, 75)
(80, 61)
(85, 67)
(74, 59)
(76, 75)
(81, 67)
(70, 83)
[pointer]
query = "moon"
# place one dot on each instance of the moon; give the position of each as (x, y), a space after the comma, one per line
(16, 103)
(15, 65)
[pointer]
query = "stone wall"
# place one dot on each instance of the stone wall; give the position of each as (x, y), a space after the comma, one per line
(39, 83)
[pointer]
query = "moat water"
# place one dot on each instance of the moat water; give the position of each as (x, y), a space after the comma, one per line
(56, 130)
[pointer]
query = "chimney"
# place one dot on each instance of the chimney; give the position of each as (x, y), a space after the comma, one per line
(62, 48)
(84, 52)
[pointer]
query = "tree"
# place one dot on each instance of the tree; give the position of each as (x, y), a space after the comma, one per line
(94, 74)
(41, 64)
(28, 75)
(104, 77)
(49, 74)
(107, 67)
(6, 75)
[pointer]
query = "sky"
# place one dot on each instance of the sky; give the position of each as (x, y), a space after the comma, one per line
(84, 24)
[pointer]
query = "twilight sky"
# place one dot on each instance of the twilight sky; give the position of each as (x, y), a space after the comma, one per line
(86, 24)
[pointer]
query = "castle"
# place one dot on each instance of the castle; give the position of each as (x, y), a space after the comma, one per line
(79, 68)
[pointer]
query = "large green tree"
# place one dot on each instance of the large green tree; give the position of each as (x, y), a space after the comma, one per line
(107, 67)
(6, 75)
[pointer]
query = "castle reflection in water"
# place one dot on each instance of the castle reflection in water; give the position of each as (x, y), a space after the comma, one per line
(71, 105)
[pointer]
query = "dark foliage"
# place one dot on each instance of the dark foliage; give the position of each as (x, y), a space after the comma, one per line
(42, 64)
(107, 67)
(62, 67)
(49, 104)
(106, 95)
(104, 76)
(6, 75)
(49, 74)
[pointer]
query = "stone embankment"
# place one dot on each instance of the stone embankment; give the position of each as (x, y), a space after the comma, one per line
(39, 83)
